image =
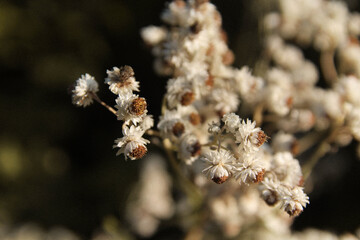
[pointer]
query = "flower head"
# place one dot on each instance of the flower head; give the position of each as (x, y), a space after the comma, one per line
(249, 136)
(132, 144)
(84, 89)
(219, 165)
(121, 80)
(130, 107)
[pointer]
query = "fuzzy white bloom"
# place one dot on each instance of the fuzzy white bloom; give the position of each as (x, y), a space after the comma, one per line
(178, 13)
(121, 80)
(82, 94)
(249, 170)
(232, 122)
(270, 191)
(171, 124)
(279, 77)
(349, 87)
(224, 100)
(298, 120)
(294, 200)
(214, 128)
(130, 107)
(332, 103)
(248, 85)
(272, 21)
(132, 144)
(278, 100)
(284, 142)
(179, 91)
(249, 136)
(349, 56)
(219, 165)
(305, 75)
(354, 24)
(153, 35)
(147, 122)
(288, 57)
(287, 168)
(189, 148)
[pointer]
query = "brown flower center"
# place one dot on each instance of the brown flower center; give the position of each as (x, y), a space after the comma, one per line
(194, 119)
(220, 180)
(261, 138)
(196, 149)
(138, 106)
(259, 176)
(187, 98)
(270, 197)
(138, 152)
(178, 129)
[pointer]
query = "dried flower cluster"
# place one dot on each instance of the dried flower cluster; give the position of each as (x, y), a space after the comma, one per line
(131, 109)
(208, 104)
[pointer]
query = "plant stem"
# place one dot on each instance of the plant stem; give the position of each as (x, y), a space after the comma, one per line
(328, 66)
(96, 97)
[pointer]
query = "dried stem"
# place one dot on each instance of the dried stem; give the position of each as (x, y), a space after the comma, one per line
(96, 97)
(328, 66)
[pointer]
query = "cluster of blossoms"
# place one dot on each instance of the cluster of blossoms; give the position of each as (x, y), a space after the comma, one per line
(332, 30)
(205, 97)
(131, 109)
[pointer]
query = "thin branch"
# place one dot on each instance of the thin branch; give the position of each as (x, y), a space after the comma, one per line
(95, 96)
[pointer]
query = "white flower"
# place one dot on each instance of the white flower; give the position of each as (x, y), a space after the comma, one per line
(248, 85)
(214, 128)
(130, 108)
(147, 122)
(279, 100)
(284, 142)
(178, 13)
(294, 200)
(250, 137)
(189, 148)
(288, 57)
(224, 100)
(349, 87)
(121, 80)
(153, 35)
(84, 89)
(179, 90)
(305, 75)
(270, 191)
(171, 124)
(219, 165)
(232, 122)
(287, 168)
(132, 144)
(249, 170)
(354, 24)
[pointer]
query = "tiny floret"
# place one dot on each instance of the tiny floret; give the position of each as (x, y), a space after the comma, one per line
(219, 165)
(121, 80)
(132, 144)
(84, 90)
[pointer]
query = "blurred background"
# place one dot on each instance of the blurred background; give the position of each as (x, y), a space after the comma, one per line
(57, 165)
